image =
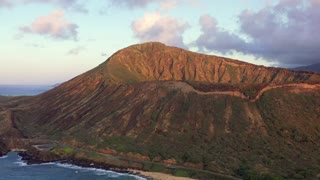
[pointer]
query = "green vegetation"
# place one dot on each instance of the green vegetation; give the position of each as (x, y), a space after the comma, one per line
(84, 137)
(2, 117)
(123, 144)
(63, 151)
(68, 150)
(189, 139)
(248, 174)
(182, 173)
(157, 168)
(4, 99)
(286, 121)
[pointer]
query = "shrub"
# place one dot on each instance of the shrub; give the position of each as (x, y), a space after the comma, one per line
(2, 117)
(63, 152)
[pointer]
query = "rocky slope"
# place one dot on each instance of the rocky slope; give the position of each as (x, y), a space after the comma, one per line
(164, 104)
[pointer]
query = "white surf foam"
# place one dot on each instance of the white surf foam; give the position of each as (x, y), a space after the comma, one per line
(69, 166)
(97, 171)
(43, 164)
(3, 157)
(21, 163)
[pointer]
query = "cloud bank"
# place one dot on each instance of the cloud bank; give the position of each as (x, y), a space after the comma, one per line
(54, 25)
(286, 32)
(215, 38)
(65, 4)
(5, 4)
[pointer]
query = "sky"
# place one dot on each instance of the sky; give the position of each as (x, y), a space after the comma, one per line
(52, 41)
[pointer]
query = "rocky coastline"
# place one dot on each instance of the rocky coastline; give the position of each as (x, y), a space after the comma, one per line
(40, 159)
(87, 164)
(79, 162)
(32, 154)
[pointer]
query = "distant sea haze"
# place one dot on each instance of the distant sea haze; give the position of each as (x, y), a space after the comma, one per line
(23, 90)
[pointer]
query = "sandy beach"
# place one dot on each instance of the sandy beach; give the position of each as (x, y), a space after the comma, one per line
(159, 176)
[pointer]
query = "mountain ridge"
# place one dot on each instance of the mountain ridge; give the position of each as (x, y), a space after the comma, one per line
(312, 67)
(156, 61)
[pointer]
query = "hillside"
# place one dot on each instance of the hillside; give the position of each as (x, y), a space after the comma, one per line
(164, 104)
(313, 67)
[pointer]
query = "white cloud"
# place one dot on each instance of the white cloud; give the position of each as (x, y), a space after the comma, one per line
(54, 25)
(155, 27)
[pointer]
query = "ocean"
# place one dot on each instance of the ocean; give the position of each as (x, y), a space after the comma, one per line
(12, 168)
(23, 90)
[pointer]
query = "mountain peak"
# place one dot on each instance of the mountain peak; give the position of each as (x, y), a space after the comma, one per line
(154, 61)
(149, 44)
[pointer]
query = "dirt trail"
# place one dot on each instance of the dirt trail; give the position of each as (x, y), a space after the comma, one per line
(293, 85)
(187, 88)
(184, 87)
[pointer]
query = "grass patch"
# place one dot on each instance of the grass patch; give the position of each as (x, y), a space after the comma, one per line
(157, 168)
(63, 152)
(68, 150)
(181, 173)
(2, 117)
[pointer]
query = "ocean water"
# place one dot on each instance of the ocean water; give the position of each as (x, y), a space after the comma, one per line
(23, 90)
(12, 168)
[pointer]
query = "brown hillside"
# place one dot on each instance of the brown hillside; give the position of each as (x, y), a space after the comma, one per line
(199, 111)
(156, 61)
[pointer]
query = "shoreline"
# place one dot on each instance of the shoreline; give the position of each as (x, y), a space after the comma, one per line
(37, 151)
(128, 171)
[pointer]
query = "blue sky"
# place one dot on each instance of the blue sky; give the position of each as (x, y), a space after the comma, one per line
(51, 41)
